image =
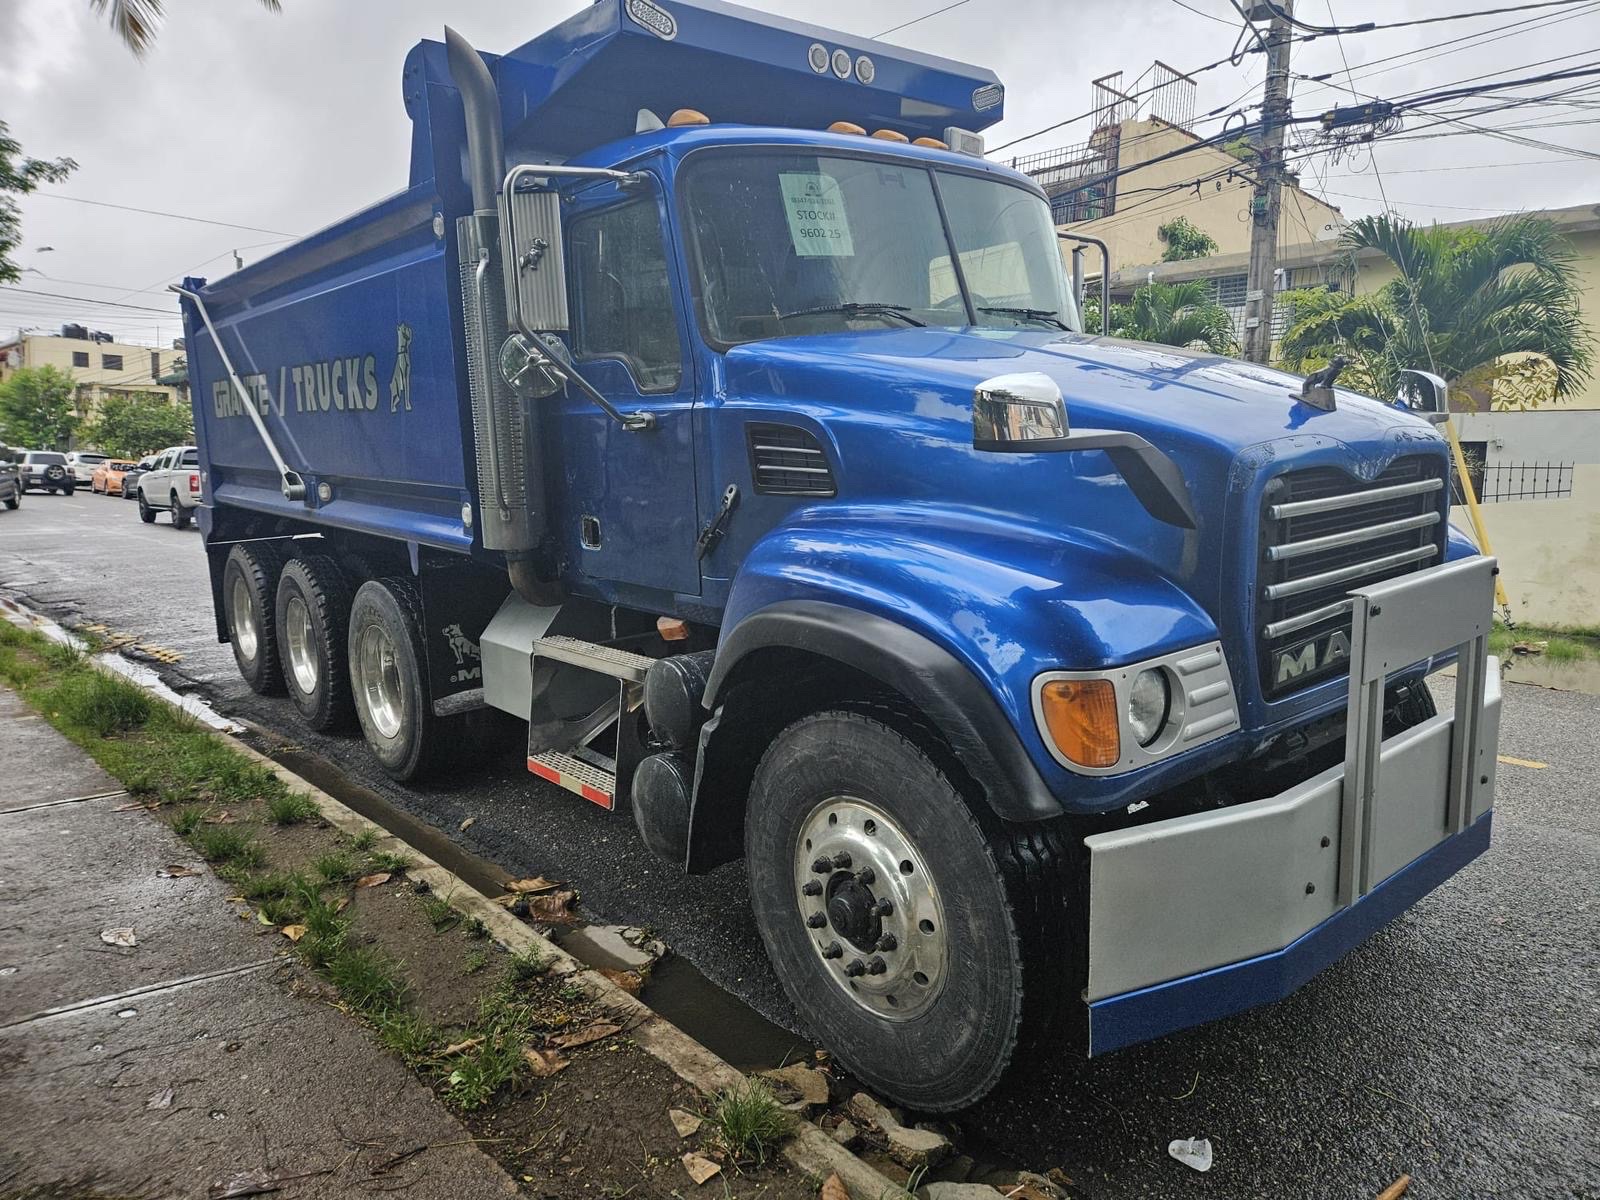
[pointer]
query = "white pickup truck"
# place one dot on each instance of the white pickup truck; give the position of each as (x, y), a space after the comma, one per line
(173, 485)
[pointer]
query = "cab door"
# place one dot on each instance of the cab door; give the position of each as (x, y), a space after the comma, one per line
(629, 497)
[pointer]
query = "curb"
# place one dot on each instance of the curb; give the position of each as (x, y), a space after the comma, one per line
(809, 1149)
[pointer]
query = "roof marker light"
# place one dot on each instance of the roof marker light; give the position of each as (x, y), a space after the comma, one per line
(931, 143)
(847, 127)
(687, 116)
(891, 135)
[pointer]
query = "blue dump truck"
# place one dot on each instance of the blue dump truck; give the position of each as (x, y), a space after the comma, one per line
(710, 413)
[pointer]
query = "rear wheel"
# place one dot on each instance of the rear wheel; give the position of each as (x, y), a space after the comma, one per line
(313, 616)
(249, 593)
(146, 513)
(180, 515)
(388, 677)
(14, 499)
(884, 911)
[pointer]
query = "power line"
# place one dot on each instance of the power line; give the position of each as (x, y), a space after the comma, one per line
(86, 300)
(1316, 31)
(156, 212)
(1206, 15)
(918, 20)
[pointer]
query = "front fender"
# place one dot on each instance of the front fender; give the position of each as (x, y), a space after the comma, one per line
(1001, 602)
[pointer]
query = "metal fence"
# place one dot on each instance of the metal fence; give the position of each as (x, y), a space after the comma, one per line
(1500, 482)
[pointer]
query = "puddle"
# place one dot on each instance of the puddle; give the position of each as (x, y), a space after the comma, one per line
(1536, 669)
(677, 990)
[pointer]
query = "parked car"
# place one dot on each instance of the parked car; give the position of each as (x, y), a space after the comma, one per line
(108, 476)
(46, 469)
(83, 463)
(130, 477)
(10, 479)
(171, 484)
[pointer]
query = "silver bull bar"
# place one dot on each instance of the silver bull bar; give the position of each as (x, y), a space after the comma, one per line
(1175, 899)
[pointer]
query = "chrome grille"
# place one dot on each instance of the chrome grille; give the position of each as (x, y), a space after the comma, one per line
(1323, 532)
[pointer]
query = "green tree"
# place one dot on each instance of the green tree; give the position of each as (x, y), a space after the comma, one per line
(36, 408)
(136, 21)
(128, 426)
(1464, 300)
(1185, 240)
(19, 176)
(1176, 314)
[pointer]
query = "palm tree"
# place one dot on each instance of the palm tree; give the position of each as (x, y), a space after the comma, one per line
(136, 21)
(1176, 314)
(1464, 300)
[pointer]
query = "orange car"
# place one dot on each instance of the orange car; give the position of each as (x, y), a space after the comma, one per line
(107, 477)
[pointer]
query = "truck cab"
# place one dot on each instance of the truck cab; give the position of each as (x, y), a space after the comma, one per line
(711, 405)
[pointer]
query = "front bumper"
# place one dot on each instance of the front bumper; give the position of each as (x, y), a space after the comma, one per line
(1202, 916)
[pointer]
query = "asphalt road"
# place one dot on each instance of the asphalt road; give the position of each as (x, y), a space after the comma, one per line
(1461, 1044)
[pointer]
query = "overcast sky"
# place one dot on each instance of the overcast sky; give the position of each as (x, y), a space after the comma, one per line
(284, 123)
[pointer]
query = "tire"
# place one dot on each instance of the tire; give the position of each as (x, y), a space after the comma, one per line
(954, 977)
(249, 602)
(389, 680)
(313, 622)
(14, 499)
(181, 516)
(146, 513)
(69, 487)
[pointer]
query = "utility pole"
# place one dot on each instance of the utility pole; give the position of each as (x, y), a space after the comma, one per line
(1266, 200)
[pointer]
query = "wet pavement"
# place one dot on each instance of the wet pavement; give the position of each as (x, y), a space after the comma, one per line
(1461, 1045)
(174, 1065)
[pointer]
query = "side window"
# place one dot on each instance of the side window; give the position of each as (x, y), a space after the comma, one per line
(622, 295)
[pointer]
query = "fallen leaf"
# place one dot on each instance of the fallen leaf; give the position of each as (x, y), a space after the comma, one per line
(263, 918)
(249, 1183)
(176, 871)
(700, 1167)
(686, 1123)
(467, 824)
(1396, 1189)
(293, 932)
(221, 818)
(138, 806)
(162, 1099)
(552, 907)
(545, 1063)
(589, 1033)
(342, 903)
(461, 1047)
(833, 1189)
(119, 937)
(507, 900)
(629, 981)
(537, 884)
(377, 880)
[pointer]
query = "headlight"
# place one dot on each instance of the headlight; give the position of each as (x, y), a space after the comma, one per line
(1149, 700)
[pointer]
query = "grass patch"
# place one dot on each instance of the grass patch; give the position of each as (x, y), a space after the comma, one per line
(336, 867)
(226, 844)
(368, 980)
(187, 819)
(388, 860)
(476, 929)
(325, 933)
(530, 964)
(291, 808)
(476, 961)
(406, 1034)
(364, 841)
(439, 913)
(99, 703)
(478, 1074)
(749, 1121)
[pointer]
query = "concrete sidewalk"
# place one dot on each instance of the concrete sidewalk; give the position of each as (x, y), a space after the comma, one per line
(172, 1067)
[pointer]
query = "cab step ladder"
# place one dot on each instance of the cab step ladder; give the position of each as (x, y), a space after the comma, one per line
(560, 747)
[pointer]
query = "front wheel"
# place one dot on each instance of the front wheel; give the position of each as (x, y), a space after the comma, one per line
(14, 499)
(146, 513)
(884, 911)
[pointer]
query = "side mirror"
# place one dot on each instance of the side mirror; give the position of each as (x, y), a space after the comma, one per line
(1425, 394)
(533, 261)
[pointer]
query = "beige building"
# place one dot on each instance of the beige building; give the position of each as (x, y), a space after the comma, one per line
(100, 368)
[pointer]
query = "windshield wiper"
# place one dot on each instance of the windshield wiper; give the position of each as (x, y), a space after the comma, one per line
(865, 308)
(1048, 315)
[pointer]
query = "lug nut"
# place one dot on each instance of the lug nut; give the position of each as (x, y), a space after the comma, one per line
(888, 942)
(832, 950)
(812, 888)
(841, 861)
(855, 967)
(816, 920)
(876, 966)
(883, 908)
(867, 876)
(822, 866)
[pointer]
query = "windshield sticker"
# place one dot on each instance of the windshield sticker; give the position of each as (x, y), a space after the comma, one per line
(814, 207)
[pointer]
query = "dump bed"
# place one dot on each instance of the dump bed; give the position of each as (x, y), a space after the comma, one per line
(350, 343)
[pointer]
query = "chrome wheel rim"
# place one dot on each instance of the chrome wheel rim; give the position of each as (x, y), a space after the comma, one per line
(303, 665)
(871, 908)
(244, 620)
(381, 691)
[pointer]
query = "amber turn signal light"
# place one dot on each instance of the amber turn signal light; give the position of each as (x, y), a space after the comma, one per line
(1081, 715)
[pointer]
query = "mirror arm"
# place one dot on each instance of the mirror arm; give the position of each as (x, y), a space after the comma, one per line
(555, 362)
(1105, 275)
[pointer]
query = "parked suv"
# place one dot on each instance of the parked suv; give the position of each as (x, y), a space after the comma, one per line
(10, 479)
(46, 469)
(83, 463)
(172, 483)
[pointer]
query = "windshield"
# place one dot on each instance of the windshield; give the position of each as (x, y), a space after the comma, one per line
(792, 243)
